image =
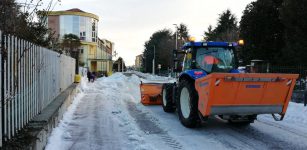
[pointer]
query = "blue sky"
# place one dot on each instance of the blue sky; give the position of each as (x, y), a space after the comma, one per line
(129, 23)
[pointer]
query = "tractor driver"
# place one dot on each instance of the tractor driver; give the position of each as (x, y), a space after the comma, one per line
(209, 62)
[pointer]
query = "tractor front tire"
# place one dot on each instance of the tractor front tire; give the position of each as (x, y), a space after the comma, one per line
(187, 104)
(167, 98)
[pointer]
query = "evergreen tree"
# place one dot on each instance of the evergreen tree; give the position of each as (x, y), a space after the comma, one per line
(293, 15)
(183, 33)
(210, 35)
(226, 29)
(163, 44)
(263, 31)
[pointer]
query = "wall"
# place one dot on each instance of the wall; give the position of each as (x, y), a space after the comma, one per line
(53, 23)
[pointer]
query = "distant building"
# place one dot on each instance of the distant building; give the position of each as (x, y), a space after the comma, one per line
(138, 62)
(119, 65)
(95, 53)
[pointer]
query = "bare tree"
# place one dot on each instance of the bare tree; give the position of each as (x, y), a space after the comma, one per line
(26, 21)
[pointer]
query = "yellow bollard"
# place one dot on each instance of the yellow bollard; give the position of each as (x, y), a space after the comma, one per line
(77, 78)
(109, 73)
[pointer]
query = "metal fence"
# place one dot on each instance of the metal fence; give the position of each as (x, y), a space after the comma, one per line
(299, 69)
(32, 77)
(294, 69)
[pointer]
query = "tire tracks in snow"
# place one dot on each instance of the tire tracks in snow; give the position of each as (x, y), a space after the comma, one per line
(89, 129)
(149, 126)
(304, 135)
(227, 136)
(254, 136)
(270, 141)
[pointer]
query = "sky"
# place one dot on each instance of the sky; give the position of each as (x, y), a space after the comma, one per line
(130, 23)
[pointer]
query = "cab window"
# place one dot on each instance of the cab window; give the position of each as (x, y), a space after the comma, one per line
(187, 61)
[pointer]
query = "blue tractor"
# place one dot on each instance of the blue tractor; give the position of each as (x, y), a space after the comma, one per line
(200, 59)
(209, 84)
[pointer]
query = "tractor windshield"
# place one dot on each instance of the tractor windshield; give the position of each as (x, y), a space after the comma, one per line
(215, 59)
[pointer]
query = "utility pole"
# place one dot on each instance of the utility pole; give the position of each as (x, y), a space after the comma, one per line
(153, 61)
(122, 65)
(118, 66)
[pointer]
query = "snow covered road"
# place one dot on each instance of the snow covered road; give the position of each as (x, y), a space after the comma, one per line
(107, 115)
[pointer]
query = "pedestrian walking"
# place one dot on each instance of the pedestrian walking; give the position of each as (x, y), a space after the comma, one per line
(93, 76)
(89, 76)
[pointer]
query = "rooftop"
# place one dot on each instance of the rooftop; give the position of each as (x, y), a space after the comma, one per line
(73, 11)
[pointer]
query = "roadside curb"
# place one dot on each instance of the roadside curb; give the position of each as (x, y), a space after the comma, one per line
(35, 135)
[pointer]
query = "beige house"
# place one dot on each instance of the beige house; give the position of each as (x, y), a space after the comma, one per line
(138, 62)
(95, 53)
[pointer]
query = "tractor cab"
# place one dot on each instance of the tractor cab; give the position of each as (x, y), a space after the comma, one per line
(210, 57)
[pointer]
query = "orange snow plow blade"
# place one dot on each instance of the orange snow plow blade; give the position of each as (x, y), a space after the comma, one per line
(151, 93)
(244, 94)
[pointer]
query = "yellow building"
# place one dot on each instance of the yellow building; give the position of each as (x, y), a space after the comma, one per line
(94, 54)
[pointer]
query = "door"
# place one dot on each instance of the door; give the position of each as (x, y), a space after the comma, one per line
(94, 66)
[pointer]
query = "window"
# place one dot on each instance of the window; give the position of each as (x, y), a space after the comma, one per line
(187, 61)
(85, 27)
(93, 25)
(215, 59)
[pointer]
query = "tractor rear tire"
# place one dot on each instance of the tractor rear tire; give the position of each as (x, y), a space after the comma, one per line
(187, 104)
(167, 98)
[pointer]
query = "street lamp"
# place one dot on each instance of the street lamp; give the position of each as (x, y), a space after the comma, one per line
(176, 35)
(176, 26)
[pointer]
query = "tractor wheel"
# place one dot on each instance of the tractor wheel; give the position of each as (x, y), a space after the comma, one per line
(167, 98)
(187, 104)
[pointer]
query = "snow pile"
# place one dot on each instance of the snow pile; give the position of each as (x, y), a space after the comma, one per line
(147, 78)
(296, 113)
(61, 130)
(296, 116)
(122, 90)
(128, 85)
